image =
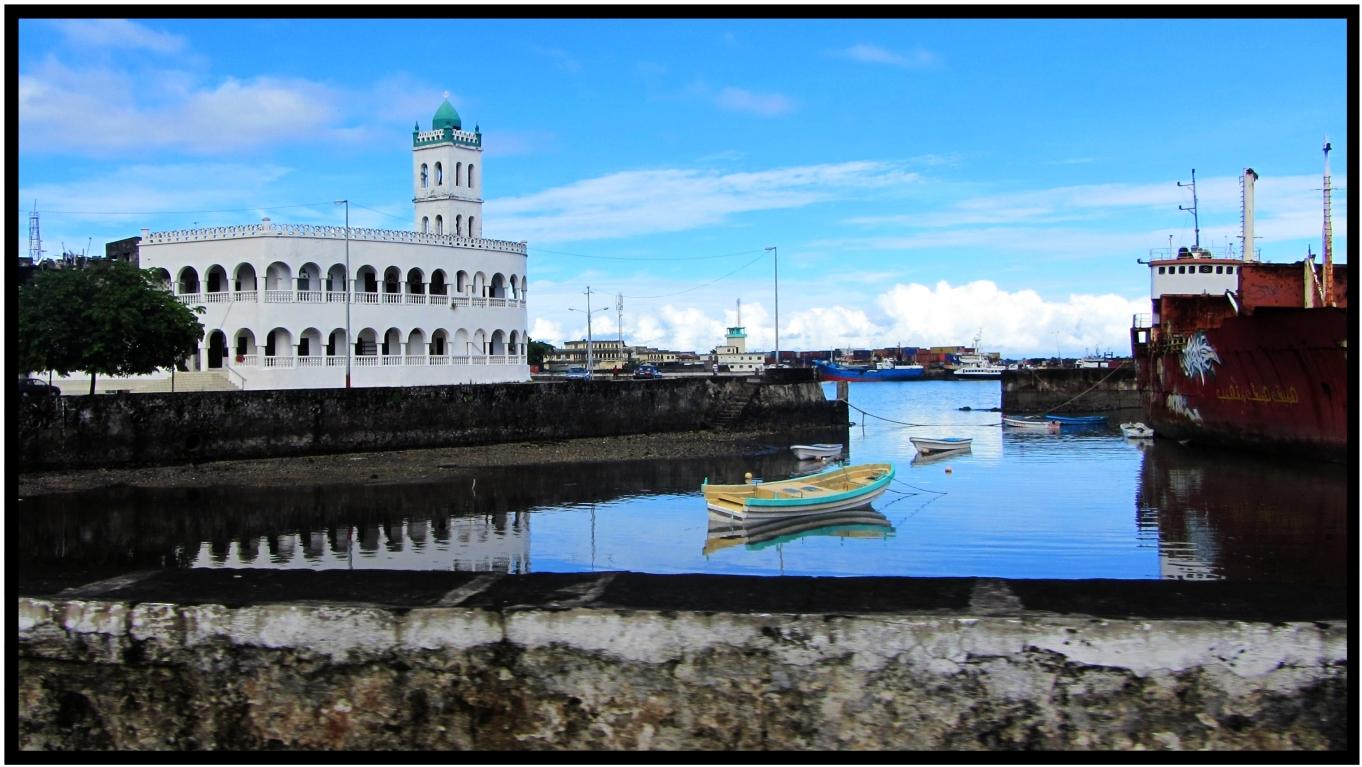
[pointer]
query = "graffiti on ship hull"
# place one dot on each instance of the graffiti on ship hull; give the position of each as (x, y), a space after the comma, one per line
(1198, 356)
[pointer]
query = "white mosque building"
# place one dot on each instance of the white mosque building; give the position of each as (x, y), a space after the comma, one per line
(303, 307)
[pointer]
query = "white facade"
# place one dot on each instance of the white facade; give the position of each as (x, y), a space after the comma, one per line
(283, 310)
(735, 355)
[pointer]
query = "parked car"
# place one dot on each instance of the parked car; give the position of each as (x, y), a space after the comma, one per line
(37, 387)
(647, 371)
(578, 374)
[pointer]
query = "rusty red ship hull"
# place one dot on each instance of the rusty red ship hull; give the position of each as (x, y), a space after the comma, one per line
(1273, 380)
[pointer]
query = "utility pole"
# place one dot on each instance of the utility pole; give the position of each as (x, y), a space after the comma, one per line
(775, 262)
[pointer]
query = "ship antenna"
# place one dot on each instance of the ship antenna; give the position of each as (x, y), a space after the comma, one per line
(1196, 221)
(1328, 233)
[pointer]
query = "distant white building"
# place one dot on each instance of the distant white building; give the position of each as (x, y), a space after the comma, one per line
(735, 355)
(297, 306)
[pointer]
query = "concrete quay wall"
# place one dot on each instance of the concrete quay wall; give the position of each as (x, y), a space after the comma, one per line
(1070, 390)
(617, 661)
(74, 432)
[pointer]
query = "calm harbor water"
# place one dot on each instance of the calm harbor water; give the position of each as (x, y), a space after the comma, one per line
(1084, 503)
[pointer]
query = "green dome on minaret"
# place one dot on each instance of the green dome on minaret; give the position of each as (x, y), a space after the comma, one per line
(446, 117)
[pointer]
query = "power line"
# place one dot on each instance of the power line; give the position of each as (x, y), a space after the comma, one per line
(704, 284)
(180, 212)
(644, 259)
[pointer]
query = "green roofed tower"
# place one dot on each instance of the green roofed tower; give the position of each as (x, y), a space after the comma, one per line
(447, 175)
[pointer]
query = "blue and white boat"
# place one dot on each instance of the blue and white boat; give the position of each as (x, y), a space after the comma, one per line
(1077, 420)
(884, 370)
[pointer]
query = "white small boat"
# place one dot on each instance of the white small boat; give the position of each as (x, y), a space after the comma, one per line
(847, 487)
(1137, 430)
(817, 451)
(939, 444)
(1031, 423)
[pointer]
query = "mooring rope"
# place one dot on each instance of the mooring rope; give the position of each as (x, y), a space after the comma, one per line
(1090, 388)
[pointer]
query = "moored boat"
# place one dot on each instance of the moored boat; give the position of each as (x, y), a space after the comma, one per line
(845, 487)
(939, 444)
(885, 370)
(1077, 420)
(817, 451)
(1244, 353)
(1028, 422)
(1137, 430)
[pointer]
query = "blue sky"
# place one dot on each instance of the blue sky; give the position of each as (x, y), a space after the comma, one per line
(924, 180)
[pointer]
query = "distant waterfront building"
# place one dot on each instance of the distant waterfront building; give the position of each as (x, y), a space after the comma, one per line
(734, 354)
(437, 305)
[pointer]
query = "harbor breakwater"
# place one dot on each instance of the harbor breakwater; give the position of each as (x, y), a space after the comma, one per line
(216, 659)
(1070, 390)
(124, 430)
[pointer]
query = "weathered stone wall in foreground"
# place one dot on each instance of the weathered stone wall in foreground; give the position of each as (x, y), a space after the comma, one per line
(573, 662)
(110, 431)
(1070, 390)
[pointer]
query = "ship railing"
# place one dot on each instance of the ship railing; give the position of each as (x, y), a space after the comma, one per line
(1142, 321)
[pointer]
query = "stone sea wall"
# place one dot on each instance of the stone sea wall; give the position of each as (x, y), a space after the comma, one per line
(109, 431)
(614, 661)
(1070, 390)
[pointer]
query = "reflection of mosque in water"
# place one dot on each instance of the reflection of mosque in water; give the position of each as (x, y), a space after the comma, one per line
(1243, 517)
(478, 520)
(485, 543)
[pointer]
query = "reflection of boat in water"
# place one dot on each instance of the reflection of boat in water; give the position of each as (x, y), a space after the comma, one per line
(818, 450)
(938, 455)
(845, 487)
(940, 444)
(755, 534)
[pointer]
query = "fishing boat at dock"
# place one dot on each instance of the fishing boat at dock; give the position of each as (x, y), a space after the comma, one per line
(1028, 422)
(845, 487)
(884, 370)
(1243, 353)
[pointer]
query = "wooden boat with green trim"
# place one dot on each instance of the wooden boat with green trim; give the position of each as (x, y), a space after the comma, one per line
(845, 487)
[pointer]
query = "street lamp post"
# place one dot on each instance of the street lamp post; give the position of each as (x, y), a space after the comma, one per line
(590, 360)
(775, 260)
(346, 283)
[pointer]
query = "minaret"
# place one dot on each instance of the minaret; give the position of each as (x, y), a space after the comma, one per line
(446, 167)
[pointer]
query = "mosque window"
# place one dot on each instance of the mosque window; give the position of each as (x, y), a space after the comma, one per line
(458, 174)
(470, 175)
(470, 227)
(458, 225)
(425, 176)
(439, 225)
(439, 174)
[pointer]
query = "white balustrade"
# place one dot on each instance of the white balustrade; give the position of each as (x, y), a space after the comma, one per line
(437, 359)
(218, 297)
(278, 362)
(392, 359)
(335, 296)
(190, 298)
(416, 298)
(436, 298)
(334, 362)
(310, 296)
(459, 301)
(309, 362)
(366, 298)
(496, 302)
(244, 295)
(392, 298)
(248, 360)
(479, 302)
(278, 296)
(366, 361)
(458, 359)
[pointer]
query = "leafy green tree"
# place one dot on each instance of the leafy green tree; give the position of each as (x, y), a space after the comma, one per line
(537, 351)
(110, 318)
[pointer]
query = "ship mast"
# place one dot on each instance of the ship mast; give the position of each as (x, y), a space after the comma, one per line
(1328, 281)
(1196, 221)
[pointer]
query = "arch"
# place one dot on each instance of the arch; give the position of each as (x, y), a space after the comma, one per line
(366, 344)
(458, 174)
(392, 342)
(497, 344)
(480, 284)
(438, 286)
(392, 280)
(366, 280)
(513, 346)
(461, 343)
(461, 283)
(471, 232)
(439, 224)
(515, 286)
(416, 343)
(278, 276)
(470, 176)
(215, 280)
(335, 343)
(243, 343)
(310, 343)
(439, 174)
(479, 342)
(439, 343)
(415, 281)
(497, 287)
(425, 225)
(163, 276)
(425, 176)
(279, 343)
(335, 278)
(244, 278)
(310, 276)
(458, 225)
(188, 280)
(217, 348)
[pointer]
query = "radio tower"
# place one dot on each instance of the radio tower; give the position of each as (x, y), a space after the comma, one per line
(619, 315)
(1328, 281)
(35, 238)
